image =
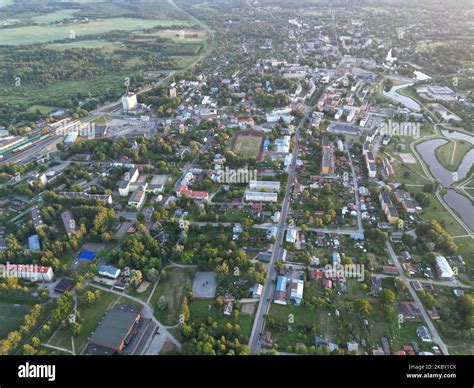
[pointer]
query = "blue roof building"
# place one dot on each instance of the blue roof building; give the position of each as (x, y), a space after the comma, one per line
(109, 271)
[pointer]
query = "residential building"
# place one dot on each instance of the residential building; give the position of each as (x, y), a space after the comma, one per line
(68, 222)
(129, 178)
(280, 291)
(296, 291)
(109, 271)
(137, 199)
(260, 196)
(265, 185)
(443, 268)
(291, 235)
(36, 216)
(106, 199)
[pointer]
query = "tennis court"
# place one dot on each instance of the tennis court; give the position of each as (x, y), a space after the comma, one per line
(86, 255)
(11, 316)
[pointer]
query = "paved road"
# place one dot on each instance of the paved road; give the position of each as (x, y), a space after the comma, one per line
(426, 317)
(356, 190)
(267, 293)
(452, 284)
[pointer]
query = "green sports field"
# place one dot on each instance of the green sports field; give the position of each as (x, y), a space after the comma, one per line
(11, 317)
(247, 147)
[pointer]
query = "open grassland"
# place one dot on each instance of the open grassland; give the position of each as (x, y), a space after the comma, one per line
(444, 154)
(39, 34)
(172, 289)
(11, 317)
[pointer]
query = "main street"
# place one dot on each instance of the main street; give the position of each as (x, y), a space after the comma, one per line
(267, 293)
(434, 332)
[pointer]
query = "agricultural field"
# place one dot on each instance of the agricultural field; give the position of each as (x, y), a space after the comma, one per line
(41, 34)
(11, 315)
(94, 46)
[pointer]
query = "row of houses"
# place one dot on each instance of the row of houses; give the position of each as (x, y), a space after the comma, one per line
(288, 289)
(104, 198)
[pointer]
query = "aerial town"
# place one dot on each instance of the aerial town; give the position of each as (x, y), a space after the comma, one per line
(240, 177)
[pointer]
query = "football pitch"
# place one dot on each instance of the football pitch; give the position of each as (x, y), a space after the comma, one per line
(247, 147)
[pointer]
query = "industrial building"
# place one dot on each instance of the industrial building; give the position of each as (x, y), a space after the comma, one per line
(116, 330)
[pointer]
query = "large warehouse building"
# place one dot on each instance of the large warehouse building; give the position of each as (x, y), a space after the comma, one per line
(116, 330)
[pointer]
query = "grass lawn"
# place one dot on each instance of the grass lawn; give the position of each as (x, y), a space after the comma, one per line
(12, 318)
(465, 249)
(200, 312)
(435, 211)
(172, 290)
(91, 316)
(247, 147)
(444, 153)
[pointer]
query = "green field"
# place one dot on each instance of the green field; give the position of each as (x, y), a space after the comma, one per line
(11, 318)
(436, 211)
(92, 316)
(53, 16)
(444, 154)
(172, 290)
(247, 147)
(38, 34)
